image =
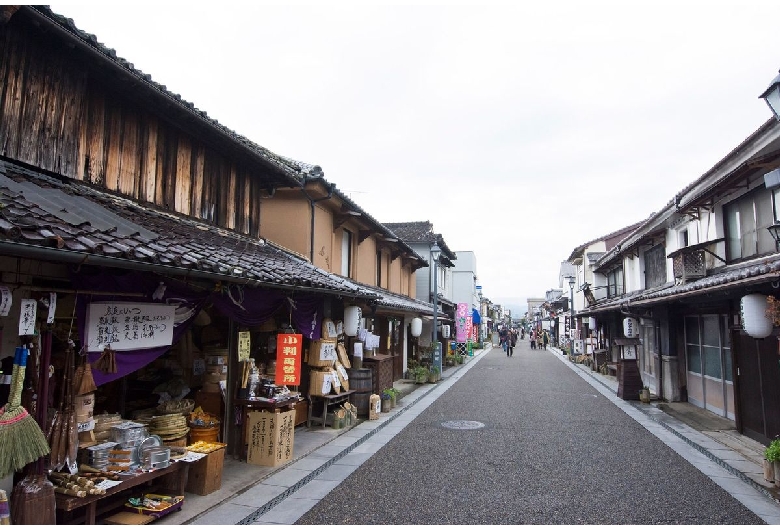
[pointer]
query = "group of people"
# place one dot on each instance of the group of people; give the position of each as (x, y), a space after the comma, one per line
(508, 339)
(539, 339)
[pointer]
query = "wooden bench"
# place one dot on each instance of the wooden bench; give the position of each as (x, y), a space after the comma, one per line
(327, 401)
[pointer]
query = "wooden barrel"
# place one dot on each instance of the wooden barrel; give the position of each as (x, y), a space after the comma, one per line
(362, 383)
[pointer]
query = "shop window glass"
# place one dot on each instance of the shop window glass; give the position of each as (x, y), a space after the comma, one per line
(747, 219)
(694, 358)
(712, 366)
(692, 330)
(726, 338)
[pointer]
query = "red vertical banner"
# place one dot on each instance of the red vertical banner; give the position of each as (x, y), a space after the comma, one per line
(289, 348)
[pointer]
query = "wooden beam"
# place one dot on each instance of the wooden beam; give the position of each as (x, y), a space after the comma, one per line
(363, 235)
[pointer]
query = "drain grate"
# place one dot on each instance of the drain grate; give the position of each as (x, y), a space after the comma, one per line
(462, 424)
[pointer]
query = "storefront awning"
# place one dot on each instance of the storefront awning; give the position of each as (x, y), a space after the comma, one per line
(475, 318)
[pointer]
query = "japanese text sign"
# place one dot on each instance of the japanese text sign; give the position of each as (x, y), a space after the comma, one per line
(288, 359)
(129, 326)
(461, 327)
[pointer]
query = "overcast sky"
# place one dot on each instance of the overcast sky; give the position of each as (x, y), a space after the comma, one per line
(519, 130)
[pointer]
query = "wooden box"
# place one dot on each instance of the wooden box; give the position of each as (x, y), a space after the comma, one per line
(269, 437)
(301, 412)
(205, 475)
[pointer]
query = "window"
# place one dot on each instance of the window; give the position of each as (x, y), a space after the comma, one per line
(708, 347)
(346, 253)
(683, 235)
(746, 222)
(655, 267)
(615, 282)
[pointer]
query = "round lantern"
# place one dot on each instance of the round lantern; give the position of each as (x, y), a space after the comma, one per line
(445, 331)
(592, 323)
(416, 327)
(752, 309)
(352, 316)
(630, 328)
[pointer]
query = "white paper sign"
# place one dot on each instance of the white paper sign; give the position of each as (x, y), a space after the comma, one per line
(357, 351)
(339, 327)
(6, 300)
(27, 314)
(330, 328)
(52, 308)
(326, 384)
(342, 371)
(327, 351)
(129, 326)
(334, 377)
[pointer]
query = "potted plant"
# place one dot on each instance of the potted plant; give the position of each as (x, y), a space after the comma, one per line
(387, 400)
(772, 461)
(644, 394)
(420, 374)
(433, 374)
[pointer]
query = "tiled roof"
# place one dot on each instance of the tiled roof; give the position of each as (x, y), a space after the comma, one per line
(390, 300)
(73, 222)
(755, 271)
(421, 232)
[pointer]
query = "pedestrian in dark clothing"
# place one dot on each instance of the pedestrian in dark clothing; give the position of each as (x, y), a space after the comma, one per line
(512, 342)
(545, 339)
(532, 338)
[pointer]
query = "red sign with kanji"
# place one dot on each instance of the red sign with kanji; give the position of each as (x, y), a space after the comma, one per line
(289, 349)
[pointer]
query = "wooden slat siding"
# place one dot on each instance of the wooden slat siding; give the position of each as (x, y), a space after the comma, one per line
(30, 109)
(183, 175)
(167, 178)
(96, 137)
(254, 211)
(113, 146)
(149, 161)
(49, 143)
(198, 167)
(130, 155)
(13, 61)
(211, 169)
(246, 202)
(229, 205)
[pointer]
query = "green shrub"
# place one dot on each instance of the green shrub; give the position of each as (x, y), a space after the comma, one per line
(772, 453)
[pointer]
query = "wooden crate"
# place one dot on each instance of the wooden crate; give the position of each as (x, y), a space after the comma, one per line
(205, 475)
(301, 412)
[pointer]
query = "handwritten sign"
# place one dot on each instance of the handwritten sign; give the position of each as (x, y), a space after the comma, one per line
(129, 326)
(27, 314)
(288, 359)
(6, 300)
(244, 345)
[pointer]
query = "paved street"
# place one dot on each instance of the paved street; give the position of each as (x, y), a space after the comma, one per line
(552, 451)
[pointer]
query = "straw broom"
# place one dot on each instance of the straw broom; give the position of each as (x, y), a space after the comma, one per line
(21, 439)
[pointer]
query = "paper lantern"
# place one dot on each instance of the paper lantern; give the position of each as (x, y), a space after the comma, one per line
(592, 323)
(416, 327)
(630, 328)
(752, 308)
(352, 317)
(445, 331)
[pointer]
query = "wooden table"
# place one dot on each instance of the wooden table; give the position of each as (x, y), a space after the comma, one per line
(112, 500)
(330, 399)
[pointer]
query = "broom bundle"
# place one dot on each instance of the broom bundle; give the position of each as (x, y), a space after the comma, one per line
(21, 439)
(107, 361)
(84, 382)
(63, 431)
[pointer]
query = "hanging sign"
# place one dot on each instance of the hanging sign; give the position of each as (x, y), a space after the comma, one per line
(27, 314)
(52, 308)
(6, 300)
(288, 359)
(244, 345)
(128, 326)
(461, 329)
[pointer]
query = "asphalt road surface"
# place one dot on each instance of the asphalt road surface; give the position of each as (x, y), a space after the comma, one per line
(552, 451)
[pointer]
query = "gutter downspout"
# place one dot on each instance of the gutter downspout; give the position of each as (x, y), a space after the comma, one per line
(311, 205)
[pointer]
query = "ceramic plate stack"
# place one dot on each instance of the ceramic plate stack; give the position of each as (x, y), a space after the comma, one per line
(169, 426)
(103, 424)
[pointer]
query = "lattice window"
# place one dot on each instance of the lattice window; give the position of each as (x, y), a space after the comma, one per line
(689, 265)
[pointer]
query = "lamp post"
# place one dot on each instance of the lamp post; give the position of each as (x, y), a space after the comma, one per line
(436, 360)
(772, 96)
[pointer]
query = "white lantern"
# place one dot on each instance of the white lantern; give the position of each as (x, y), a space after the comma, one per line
(445, 331)
(630, 328)
(752, 308)
(416, 327)
(352, 315)
(592, 323)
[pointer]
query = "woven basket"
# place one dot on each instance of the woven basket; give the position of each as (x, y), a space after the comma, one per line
(183, 406)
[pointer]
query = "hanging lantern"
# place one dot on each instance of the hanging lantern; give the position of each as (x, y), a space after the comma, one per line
(445, 331)
(352, 315)
(592, 323)
(752, 308)
(630, 328)
(416, 327)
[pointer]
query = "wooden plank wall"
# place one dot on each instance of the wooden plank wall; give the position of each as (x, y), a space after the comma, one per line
(59, 117)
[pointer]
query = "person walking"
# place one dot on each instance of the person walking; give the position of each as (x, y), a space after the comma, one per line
(532, 338)
(512, 341)
(545, 339)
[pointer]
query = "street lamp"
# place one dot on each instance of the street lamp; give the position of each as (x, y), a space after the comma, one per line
(772, 96)
(436, 360)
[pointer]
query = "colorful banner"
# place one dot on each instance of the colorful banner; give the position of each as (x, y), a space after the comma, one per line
(461, 324)
(288, 359)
